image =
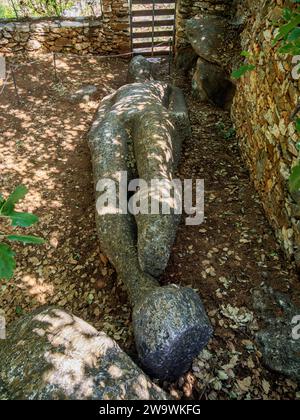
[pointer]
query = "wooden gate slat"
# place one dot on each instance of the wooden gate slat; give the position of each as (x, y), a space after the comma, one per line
(156, 12)
(142, 2)
(149, 53)
(156, 34)
(159, 23)
(149, 44)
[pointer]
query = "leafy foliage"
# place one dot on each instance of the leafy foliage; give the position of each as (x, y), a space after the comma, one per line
(245, 68)
(6, 12)
(237, 74)
(227, 134)
(288, 34)
(47, 8)
(7, 210)
(43, 7)
(294, 181)
(7, 262)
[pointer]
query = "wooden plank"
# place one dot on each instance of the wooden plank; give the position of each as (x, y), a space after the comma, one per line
(148, 23)
(149, 44)
(149, 53)
(156, 12)
(156, 34)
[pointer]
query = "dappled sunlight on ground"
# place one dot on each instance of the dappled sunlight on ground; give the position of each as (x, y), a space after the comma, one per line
(43, 145)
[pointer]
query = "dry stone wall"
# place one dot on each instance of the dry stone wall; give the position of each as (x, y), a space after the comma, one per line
(264, 102)
(105, 35)
(262, 109)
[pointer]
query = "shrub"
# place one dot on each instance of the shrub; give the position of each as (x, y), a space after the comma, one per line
(7, 211)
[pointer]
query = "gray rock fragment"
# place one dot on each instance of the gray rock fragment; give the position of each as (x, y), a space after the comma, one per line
(83, 93)
(213, 38)
(277, 341)
(186, 59)
(210, 82)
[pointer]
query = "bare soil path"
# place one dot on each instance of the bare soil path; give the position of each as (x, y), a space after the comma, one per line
(43, 145)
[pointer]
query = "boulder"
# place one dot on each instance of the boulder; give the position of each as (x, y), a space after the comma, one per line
(279, 340)
(52, 355)
(84, 93)
(213, 38)
(210, 82)
(186, 59)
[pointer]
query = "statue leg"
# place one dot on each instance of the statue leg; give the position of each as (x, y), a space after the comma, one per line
(155, 146)
(108, 142)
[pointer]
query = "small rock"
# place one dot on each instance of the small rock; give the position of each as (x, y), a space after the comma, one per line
(83, 93)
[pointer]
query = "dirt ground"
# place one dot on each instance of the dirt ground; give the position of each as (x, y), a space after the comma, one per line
(43, 145)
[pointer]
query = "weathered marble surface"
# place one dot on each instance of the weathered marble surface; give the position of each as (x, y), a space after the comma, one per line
(171, 328)
(187, 9)
(214, 38)
(53, 355)
(139, 130)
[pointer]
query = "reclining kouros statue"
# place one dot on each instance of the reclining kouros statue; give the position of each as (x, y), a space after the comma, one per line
(138, 131)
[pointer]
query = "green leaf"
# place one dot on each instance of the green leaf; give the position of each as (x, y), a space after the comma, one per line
(13, 199)
(289, 49)
(294, 35)
(246, 54)
(230, 133)
(294, 180)
(7, 262)
(237, 74)
(19, 310)
(23, 219)
(298, 125)
(26, 239)
(287, 14)
(286, 29)
(2, 201)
